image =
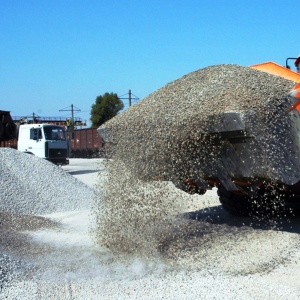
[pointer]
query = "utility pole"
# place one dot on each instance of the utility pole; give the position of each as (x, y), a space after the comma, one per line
(73, 108)
(129, 97)
(71, 127)
(34, 118)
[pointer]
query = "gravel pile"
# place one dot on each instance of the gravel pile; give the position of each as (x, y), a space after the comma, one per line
(33, 186)
(10, 269)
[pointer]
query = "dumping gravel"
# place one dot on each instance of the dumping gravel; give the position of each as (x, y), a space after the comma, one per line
(227, 258)
(163, 138)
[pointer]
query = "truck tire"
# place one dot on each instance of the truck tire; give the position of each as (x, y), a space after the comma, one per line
(235, 205)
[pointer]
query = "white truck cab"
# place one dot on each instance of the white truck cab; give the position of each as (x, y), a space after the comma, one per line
(44, 140)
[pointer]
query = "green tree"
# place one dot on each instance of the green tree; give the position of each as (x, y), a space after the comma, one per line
(105, 108)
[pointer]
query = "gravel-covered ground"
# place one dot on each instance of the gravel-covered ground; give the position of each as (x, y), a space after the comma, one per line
(54, 257)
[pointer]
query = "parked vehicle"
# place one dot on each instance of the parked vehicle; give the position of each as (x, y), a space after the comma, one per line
(81, 143)
(44, 140)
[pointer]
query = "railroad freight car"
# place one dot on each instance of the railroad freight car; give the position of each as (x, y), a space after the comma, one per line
(8, 129)
(86, 143)
(13, 143)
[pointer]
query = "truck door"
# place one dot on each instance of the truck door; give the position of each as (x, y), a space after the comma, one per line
(36, 145)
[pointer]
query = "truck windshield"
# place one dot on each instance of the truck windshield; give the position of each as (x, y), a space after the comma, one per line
(54, 133)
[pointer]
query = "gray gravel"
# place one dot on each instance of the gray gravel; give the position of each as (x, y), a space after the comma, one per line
(180, 286)
(11, 269)
(33, 186)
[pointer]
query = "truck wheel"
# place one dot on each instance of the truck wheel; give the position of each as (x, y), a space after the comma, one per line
(236, 205)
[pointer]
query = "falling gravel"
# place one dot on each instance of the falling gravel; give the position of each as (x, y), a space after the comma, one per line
(163, 138)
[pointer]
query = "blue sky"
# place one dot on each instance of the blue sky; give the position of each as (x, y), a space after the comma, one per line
(56, 53)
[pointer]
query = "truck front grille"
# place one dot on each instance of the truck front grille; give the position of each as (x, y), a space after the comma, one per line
(53, 153)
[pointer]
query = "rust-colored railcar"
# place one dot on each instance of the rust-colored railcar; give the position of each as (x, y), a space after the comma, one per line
(86, 143)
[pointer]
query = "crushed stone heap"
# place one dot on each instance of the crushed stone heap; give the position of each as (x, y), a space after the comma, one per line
(33, 186)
